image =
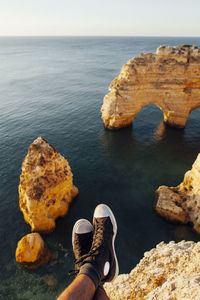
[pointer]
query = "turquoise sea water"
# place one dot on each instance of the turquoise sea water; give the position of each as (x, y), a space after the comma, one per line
(54, 87)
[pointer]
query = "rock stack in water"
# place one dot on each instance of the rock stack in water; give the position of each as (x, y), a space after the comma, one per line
(46, 186)
(170, 271)
(32, 251)
(169, 78)
(182, 203)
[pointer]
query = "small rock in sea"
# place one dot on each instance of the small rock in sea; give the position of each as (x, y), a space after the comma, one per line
(31, 251)
(182, 203)
(51, 281)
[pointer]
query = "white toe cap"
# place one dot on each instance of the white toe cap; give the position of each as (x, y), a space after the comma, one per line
(102, 211)
(83, 226)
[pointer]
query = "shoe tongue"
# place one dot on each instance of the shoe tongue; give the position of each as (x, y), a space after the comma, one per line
(83, 243)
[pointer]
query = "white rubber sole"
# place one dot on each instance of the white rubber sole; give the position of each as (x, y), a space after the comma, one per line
(76, 226)
(114, 223)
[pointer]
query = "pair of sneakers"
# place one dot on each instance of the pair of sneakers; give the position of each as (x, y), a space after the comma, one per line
(94, 248)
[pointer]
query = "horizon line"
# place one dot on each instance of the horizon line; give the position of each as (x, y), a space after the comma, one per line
(169, 36)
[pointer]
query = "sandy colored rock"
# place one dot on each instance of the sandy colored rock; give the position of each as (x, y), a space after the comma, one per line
(168, 272)
(182, 287)
(169, 78)
(182, 203)
(46, 186)
(169, 204)
(31, 251)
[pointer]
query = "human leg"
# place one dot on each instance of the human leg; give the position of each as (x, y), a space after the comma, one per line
(95, 258)
(81, 288)
(101, 294)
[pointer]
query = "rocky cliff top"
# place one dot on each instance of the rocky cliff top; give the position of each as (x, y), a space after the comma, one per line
(169, 271)
(176, 52)
(182, 50)
(169, 54)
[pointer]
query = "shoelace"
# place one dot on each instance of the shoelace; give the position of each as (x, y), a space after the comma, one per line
(98, 237)
(81, 259)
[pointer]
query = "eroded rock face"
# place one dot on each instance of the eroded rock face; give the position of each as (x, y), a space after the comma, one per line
(46, 186)
(169, 78)
(32, 252)
(182, 203)
(170, 271)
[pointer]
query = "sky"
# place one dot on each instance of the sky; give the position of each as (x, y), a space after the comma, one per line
(100, 17)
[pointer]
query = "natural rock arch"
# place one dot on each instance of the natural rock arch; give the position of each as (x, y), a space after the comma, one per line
(145, 105)
(169, 78)
(192, 109)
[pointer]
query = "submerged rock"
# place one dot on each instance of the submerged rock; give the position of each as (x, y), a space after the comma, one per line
(182, 203)
(46, 186)
(51, 281)
(170, 271)
(31, 251)
(168, 78)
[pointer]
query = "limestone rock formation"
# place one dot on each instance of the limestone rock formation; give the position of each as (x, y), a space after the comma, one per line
(31, 251)
(169, 78)
(170, 271)
(46, 186)
(182, 203)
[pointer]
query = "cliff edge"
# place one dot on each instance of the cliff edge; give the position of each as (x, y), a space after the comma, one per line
(169, 271)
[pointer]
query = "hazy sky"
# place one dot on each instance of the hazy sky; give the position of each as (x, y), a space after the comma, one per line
(100, 17)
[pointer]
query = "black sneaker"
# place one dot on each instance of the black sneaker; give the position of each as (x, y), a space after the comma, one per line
(101, 264)
(82, 236)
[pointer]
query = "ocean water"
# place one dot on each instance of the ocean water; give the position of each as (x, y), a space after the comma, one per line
(53, 87)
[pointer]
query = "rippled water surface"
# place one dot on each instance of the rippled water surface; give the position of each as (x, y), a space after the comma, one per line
(53, 87)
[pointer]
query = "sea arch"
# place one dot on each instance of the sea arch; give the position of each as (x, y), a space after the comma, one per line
(145, 105)
(169, 78)
(193, 108)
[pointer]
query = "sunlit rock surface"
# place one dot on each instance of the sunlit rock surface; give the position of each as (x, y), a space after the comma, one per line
(32, 251)
(168, 272)
(182, 203)
(46, 186)
(169, 78)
